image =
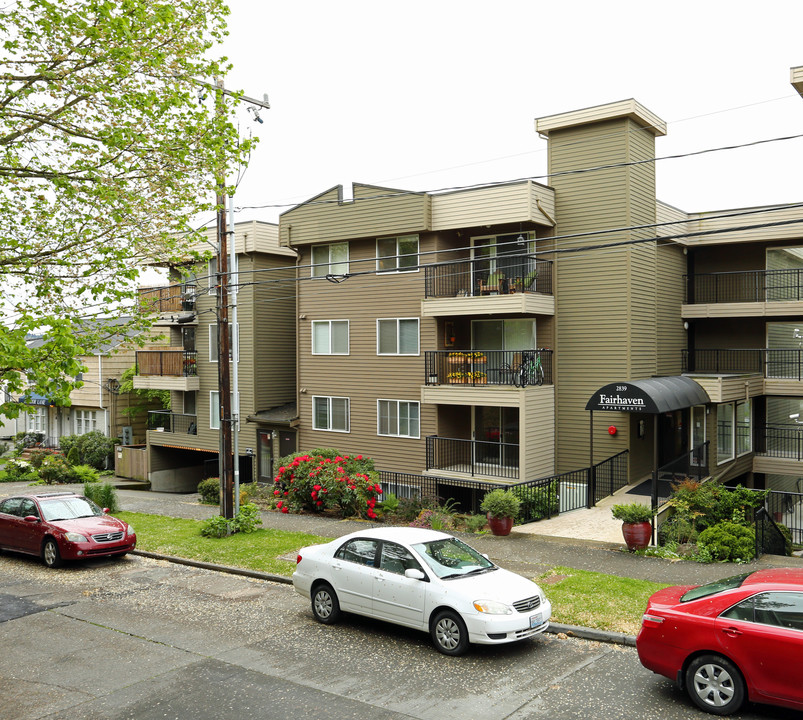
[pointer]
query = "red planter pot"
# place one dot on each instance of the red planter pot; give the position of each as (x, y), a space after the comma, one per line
(500, 525)
(637, 535)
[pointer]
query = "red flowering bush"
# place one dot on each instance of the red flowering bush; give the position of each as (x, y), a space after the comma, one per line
(325, 479)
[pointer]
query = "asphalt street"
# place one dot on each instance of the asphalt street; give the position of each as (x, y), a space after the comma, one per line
(145, 639)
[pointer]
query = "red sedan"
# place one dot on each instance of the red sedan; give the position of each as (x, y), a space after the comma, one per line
(729, 641)
(62, 526)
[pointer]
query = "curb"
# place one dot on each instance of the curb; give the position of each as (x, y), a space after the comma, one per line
(584, 633)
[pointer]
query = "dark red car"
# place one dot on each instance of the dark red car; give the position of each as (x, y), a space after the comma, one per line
(62, 526)
(726, 642)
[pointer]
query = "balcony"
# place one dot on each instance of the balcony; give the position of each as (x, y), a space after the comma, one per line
(781, 364)
(176, 304)
(740, 294)
(779, 449)
(167, 369)
(170, 422)
(473, 458)
(519, 368)
(517, 284)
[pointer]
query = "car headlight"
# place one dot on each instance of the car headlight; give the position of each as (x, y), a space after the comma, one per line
(492, 607)
(75, 537)
(129, 531)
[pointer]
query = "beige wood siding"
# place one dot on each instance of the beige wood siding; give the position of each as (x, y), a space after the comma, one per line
(759, 224)
(537, 433)
(374, 212)
(363, 376)
(672, 338)
(516, 202)
(606, 298)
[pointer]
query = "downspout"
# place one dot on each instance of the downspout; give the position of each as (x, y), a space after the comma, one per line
(100, 396)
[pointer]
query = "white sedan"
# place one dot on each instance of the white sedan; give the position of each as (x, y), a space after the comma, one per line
(423, 579)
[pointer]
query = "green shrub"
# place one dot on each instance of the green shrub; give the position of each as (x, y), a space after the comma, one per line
(475, 523)
(245, 521)
(390, 503)
(209, 491)
(216, 527)
(710, 503)
(54, 470)
(17, 470)
(83, 474)
(73, 456)
(247, 518)
(37, 457)
(93, 448)
(104, 495)
(410, 507)
(501, 503)
(728, 542)
(538, 501)
(632, 513)
(328, 480)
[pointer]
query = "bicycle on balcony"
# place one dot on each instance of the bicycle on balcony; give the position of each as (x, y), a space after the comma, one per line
(530, 371)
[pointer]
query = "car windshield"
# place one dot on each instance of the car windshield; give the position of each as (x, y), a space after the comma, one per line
(68, 508)
(712, 588)
(449, 558)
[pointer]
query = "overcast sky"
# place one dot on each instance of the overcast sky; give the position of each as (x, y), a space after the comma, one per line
(432, 94)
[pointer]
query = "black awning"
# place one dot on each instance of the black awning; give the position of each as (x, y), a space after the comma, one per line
(654, 395)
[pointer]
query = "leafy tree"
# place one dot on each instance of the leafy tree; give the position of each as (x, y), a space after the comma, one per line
(145, 398)
(106, 154)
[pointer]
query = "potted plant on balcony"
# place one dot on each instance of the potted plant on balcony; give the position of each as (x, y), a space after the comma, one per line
(456, 358)
(501, 507)
(479, 358)
(636, 524)
(457, 377)
(478, 377)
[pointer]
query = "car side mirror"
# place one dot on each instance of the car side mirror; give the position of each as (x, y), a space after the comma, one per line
(414, 573)
(105, 511)
(31, 518)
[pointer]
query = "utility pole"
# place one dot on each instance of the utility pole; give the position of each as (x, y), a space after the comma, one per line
(228, 462)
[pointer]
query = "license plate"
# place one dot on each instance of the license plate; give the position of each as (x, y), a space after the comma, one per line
(535, 620)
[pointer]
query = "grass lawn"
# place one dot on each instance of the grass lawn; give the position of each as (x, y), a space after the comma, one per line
(596, 600)
(578, 597)
(261, 550)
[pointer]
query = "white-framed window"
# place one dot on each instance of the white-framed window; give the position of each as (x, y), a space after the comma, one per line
(330, 413)
(397, 336)
(331, 259)
(743, 427)
(330, 337)
(214, 409)
(37, 419)
(85, 421)
(398, 418)
(725, 432)
(397, 254)
(234, 342)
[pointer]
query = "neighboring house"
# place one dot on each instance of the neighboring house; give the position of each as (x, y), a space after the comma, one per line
(416, 311)
(97, 405)
(183, 443)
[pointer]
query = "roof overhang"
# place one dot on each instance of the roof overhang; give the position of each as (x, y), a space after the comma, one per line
(651, 396)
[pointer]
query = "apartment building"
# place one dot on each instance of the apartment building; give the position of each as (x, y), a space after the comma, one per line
(97, 405)
(183, 442)
(425, 321)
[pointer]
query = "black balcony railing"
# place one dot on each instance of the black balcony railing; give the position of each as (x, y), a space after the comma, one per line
(745, 286)
(473, 457)
(781, 441)
(511, 274)
(488, 367)
(173, 363)
(166, 421)
(780, 364)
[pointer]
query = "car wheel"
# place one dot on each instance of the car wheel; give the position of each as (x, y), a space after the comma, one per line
(715, 684)
(50, 553)
(325, 606)
(449, 633)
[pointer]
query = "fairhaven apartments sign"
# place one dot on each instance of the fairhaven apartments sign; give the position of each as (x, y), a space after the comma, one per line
(622, 397)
